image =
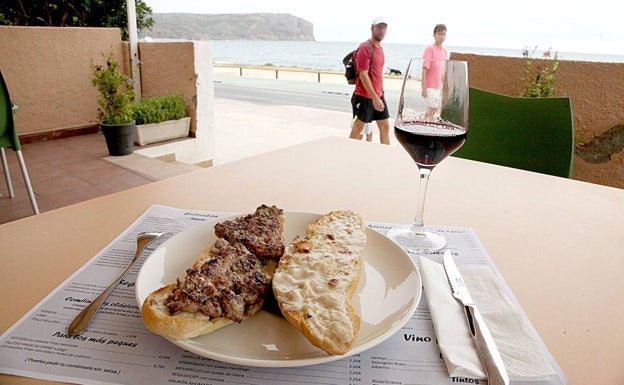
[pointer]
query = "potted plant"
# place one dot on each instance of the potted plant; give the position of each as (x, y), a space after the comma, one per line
(160, 118)
(115, 98)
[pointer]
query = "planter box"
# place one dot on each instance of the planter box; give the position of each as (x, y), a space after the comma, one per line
(158, 132)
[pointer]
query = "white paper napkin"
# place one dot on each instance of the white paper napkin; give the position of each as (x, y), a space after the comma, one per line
(523, 356)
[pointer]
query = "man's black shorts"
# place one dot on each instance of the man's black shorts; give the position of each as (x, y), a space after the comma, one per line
(365, 111)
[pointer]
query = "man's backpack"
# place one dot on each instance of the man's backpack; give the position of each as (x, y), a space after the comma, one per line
(349, 63)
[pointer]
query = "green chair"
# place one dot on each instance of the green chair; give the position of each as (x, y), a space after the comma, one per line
(9, 139)
(534, 134)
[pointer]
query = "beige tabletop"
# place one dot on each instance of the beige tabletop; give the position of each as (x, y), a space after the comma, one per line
(559, 243)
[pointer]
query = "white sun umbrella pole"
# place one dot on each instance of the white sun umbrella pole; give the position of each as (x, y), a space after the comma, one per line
(134, 48)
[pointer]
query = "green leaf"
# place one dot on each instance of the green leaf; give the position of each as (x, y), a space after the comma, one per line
(84, 13)
(159, 109)
(115, 97)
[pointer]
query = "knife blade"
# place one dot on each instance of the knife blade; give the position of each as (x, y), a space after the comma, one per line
(481, 337)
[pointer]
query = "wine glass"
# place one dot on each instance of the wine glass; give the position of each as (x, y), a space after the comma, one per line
(431, 124)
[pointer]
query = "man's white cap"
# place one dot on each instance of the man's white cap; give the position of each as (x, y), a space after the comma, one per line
(379, 20)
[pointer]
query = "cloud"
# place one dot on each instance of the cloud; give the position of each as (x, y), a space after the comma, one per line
(574, 25)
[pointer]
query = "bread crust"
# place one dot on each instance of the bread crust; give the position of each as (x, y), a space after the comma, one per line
(298, 319)
(317, 277)
(157, 318)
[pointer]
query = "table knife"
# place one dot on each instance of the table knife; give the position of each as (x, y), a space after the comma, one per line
(486, 347)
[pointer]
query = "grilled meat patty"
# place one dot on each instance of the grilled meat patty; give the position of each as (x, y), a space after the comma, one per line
(261, 232)
(229, 283)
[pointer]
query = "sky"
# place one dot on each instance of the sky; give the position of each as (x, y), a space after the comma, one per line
(589, 26)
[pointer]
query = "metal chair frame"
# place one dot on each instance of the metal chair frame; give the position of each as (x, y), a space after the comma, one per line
(9, 139)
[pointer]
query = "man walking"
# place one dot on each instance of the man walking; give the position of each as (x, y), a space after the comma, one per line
(368, 100)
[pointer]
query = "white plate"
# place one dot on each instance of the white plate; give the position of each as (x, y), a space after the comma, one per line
(387, 296)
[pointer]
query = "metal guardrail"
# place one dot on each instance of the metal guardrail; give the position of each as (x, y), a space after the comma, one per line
(277, 70)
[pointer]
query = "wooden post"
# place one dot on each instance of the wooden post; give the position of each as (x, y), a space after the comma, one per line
(276, 74)
(240, 70)
(318, 77)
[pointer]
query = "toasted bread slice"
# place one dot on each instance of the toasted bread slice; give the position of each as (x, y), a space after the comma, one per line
(226, 284)
(318, 275)
(158, 319)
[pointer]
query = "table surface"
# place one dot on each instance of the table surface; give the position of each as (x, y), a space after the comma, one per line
(559, 243)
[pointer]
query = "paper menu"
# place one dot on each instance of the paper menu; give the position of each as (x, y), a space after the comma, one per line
(117, 349)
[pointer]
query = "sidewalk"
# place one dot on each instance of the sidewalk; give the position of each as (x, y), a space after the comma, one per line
(245, 128)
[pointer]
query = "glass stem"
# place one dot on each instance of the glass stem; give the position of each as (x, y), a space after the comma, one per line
(418, 224)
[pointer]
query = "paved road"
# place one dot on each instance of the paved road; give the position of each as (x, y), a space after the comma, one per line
(325, 96)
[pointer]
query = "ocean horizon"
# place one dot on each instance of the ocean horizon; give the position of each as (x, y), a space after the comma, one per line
(324, 55)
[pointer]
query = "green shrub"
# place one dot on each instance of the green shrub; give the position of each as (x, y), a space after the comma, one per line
(115, 89)
(538, 84)
(159, 109)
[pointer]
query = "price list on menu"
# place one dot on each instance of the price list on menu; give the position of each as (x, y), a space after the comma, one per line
(118, 349)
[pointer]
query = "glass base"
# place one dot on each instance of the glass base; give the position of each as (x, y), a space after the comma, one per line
(422, 241)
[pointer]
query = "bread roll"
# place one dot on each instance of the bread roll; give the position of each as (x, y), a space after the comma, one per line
(158, 319)
(316, 278)
(226, 284)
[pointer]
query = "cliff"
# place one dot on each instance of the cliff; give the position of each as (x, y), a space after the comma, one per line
(248, 26)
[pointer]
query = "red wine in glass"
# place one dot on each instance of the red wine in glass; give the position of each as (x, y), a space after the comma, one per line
(428, 143)
(431, 124)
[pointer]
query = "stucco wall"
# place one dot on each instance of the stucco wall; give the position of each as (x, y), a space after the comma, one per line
(595, 89)
(168, 68)
(185, 69)
(47, 70)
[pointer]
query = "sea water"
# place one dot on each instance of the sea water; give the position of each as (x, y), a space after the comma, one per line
(323, 55)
